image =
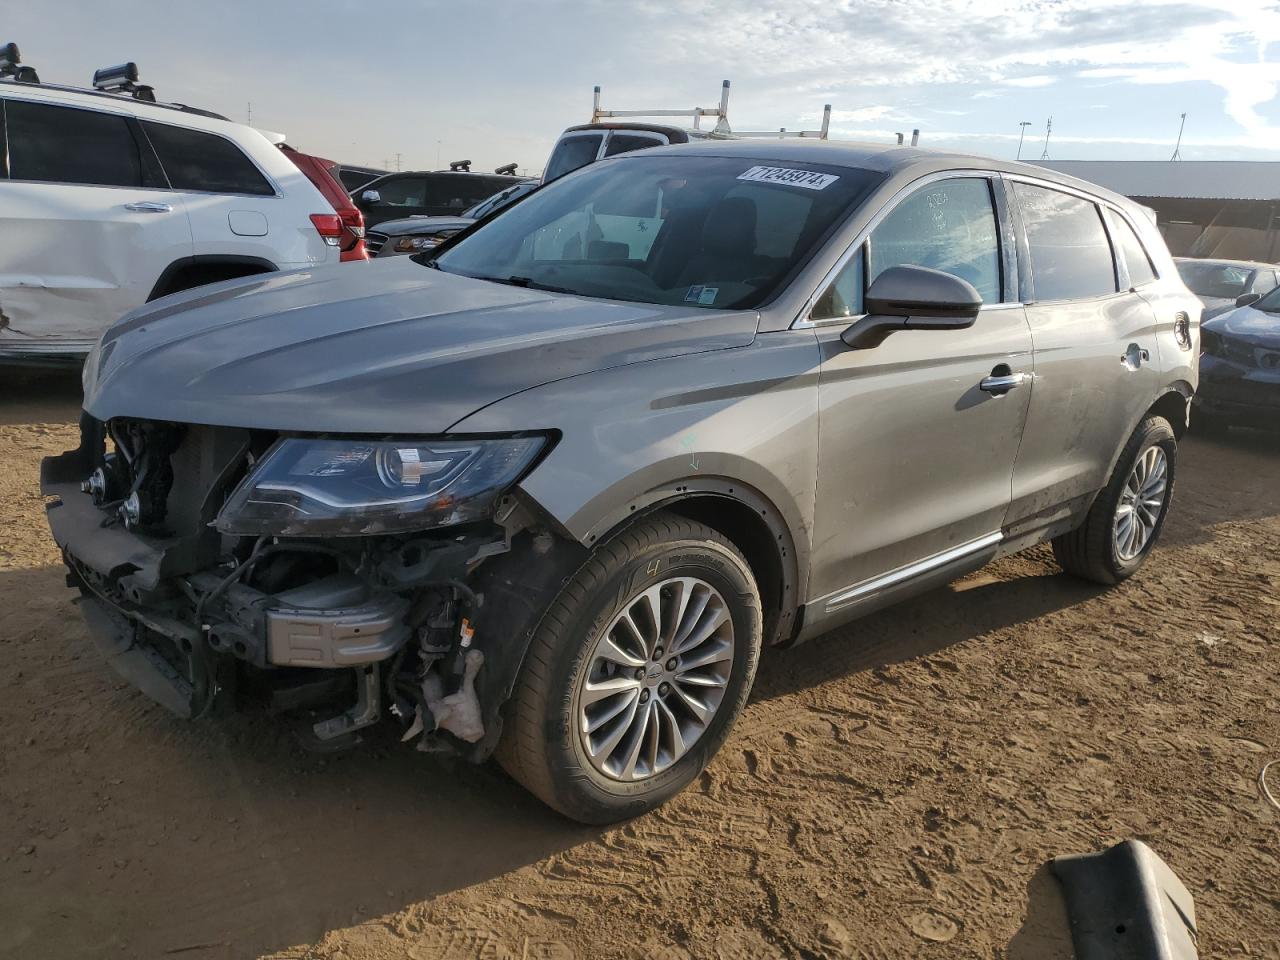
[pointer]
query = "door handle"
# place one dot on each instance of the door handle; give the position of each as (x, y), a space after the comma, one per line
(149, 206)
(998, 384)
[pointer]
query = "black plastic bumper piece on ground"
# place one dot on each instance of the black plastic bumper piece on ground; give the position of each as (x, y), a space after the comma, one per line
(1126, 904)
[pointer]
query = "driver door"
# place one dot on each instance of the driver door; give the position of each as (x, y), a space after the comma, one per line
(916, 453)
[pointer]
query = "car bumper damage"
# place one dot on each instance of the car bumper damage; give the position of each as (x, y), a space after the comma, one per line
(338, 633)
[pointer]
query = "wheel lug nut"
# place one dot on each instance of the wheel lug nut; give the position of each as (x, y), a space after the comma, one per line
(657, 652)
(664, 689)
(639, 673)
(671, 664)
(644, 696)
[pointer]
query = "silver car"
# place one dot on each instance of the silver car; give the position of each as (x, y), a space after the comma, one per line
(547, 491)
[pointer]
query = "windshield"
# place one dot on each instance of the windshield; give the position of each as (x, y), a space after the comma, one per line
(701, 231)
(1223, 281)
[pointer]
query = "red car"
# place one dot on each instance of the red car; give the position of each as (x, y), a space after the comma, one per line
(348, 224)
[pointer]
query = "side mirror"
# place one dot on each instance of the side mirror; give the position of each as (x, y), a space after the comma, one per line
(1247, 298)
(913, 298)
(371, 196)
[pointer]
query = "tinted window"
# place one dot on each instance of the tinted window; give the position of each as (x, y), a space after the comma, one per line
(949, 226)
(204, 162)
(66, 145)
(701, 232)
(401, 192)
(1070, 255)
(451, 193)
(1135, 255)
(572, 153)
(626, 142)
(1223, 281)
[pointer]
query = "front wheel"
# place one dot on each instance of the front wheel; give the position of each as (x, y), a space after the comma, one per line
(636, 673)
(1125, 520)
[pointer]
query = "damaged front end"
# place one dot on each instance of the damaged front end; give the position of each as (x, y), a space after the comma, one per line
(335, 579)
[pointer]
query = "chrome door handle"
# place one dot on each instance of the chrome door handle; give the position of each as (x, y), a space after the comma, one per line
(149, 206)
(1002, 383)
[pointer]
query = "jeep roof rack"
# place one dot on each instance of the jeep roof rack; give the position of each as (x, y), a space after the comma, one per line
(123, 78)
(721, 114)
(11, 65)
(459, 166)
(507, 169)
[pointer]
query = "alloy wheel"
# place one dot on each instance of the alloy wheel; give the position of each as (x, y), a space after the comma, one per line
(1140, 503)
(656, 678)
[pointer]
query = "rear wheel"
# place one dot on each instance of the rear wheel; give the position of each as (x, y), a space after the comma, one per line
(1125, 520)
(636, 673)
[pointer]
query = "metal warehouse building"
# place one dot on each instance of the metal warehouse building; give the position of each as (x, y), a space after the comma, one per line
(1228, 209)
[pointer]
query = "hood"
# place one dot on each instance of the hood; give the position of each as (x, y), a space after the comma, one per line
(415, 226)
(384, 346)
(1247, 324)
(1213, 306)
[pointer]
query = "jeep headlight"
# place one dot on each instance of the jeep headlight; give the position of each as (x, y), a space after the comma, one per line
(310, 487)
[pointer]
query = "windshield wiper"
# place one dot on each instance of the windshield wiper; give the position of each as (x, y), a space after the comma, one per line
(528, 283)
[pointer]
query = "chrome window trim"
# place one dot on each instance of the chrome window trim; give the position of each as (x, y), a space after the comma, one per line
(868, 588)
(803, 321)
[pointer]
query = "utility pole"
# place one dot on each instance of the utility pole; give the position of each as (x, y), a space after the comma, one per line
(1048, 129)
(1177, 148)
(437, 154)
(1022, 132)
(249, 120)
(397, 163)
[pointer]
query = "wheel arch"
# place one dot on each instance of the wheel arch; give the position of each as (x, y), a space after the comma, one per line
(1172, 405)
(214, 266)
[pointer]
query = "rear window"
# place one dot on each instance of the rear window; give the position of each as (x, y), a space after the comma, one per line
(700, 232)
(1070, 254)
(1222, 281)
(571, 153)
(1135, 254)
(204, 162)
(452, 193)
(53, 144)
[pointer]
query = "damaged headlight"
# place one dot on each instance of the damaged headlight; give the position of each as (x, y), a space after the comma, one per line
(355, 487)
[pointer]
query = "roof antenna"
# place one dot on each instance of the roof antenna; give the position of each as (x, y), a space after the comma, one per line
(1177, 148)
(1048, 129)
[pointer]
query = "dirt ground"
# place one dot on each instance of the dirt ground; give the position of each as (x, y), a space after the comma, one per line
(893, 789)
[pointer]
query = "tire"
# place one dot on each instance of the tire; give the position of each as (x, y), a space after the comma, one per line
(1096, 550)
(673, 559)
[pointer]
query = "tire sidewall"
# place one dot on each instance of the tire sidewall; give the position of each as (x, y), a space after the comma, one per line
(1155, 432)
(709, 561)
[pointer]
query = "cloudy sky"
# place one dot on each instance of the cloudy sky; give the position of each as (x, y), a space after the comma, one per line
(496, 81)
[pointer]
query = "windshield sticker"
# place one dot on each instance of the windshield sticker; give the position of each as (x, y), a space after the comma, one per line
(790, 177)
(704, 296)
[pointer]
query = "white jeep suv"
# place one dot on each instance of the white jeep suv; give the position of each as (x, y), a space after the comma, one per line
(108, 201)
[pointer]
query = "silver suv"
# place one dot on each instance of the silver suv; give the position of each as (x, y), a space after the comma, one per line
(547, 490)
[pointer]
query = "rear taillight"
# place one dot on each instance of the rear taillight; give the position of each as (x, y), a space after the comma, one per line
(353, 220)
(329, 226)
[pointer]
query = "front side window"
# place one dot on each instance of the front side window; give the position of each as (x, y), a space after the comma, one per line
(409, 192)
(1070, 254)
(54, 144)
(571, 153)
(204, 162)
(949, 225)
(700, 232)
(1135, 255)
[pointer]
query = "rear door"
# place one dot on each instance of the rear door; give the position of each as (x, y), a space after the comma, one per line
(86, 224)
(1096, 358)
(916, 452)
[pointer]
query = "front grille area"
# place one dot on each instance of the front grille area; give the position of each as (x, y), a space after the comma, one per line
(373, 241)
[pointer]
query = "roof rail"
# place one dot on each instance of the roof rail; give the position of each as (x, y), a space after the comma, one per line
(11, 65)
(721, 113)
(123, 78)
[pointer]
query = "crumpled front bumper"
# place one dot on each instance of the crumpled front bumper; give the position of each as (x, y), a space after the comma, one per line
(1247, 395)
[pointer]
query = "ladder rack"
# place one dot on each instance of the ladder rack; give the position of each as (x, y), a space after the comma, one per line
(721, 115)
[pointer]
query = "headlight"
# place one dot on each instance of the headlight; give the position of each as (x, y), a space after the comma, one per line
(410, 244)
(354, 487)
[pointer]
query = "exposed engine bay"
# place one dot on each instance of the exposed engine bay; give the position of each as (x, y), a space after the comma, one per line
(337, 631)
